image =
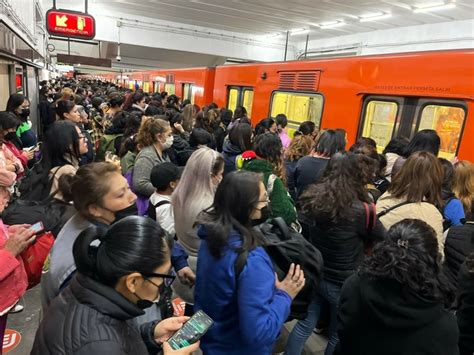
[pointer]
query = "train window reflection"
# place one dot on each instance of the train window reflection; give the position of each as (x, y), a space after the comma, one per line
(233, 99)
(248, 101)
(298, 107)
(448, 122)
(379, 121)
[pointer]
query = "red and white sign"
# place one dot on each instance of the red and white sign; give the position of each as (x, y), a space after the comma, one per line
(11, 340)
(70, 24)
(178, 307)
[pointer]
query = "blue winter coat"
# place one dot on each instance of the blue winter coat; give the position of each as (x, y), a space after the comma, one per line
(248, 316)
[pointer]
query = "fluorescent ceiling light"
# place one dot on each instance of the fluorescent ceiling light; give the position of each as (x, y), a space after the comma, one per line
(434, 7)
(331, 24)
(298, 31)
(375, 17)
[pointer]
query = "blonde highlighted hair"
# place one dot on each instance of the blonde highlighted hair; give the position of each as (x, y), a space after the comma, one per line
(149, 128)
(195, 191)
(463, 183)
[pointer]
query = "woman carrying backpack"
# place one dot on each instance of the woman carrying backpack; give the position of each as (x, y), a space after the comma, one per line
(249, 309)
(341, 223)
(415, 192)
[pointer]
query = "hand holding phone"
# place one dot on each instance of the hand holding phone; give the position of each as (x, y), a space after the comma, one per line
(37, 228)
(191, 331)
(167, 350)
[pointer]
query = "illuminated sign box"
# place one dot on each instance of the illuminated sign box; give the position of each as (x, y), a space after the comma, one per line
(70, 24)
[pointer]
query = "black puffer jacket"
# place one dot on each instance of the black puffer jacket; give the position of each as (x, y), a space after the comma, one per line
(89, 318)
(459, 243)
(342, 244)
(465, 312)
(382, 316)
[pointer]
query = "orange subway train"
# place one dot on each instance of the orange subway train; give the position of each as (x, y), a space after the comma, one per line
(378, 96)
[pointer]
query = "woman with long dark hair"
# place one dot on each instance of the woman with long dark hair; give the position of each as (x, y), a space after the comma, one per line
(396, 303)
(267, 159)
(63, 147)
(120, 272)
(341, 224)
(310, 168)
(249, 309)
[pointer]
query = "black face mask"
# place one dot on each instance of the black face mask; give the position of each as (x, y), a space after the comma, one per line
(266, 214)
(25, 113)
(131, 210)
(10, 136)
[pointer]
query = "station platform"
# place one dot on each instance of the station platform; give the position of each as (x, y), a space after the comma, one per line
(26, 323)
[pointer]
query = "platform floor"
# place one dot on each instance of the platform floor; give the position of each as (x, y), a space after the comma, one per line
(27, 322)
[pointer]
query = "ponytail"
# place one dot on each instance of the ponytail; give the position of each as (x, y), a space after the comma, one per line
(133, 244)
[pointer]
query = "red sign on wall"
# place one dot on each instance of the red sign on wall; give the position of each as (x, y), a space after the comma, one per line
(70, 24)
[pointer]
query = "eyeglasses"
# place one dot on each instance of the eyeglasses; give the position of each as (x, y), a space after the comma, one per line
(167, 279)
(267, 200)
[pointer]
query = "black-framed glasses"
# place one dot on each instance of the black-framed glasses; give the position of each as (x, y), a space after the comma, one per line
(168, 279)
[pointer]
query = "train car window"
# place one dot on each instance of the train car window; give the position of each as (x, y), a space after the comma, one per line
(170, 89)
(247, 101)
(379, 121)
(448, 121)
(233, 98)
(188, 92)
(298, 107)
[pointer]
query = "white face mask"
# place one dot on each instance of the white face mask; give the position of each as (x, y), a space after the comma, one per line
(168, 143)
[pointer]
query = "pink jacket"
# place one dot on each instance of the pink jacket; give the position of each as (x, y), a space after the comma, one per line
(285, 139)
(13, 278)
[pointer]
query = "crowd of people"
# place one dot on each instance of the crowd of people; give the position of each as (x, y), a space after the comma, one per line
(145, 198)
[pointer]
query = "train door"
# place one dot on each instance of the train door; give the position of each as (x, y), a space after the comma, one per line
(385, 117)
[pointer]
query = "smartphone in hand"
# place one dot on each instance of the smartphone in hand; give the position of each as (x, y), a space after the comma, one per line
(191, 331)
(37, 228)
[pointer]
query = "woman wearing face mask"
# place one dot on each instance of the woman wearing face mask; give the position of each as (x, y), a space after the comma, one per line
(20, 106)
(120, 271)
(12, 159)
(194, 193)
(249, 309)
(155, 136)
(101, 196)
(69, 111)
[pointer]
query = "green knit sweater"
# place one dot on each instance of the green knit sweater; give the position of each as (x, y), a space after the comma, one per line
(281, 203)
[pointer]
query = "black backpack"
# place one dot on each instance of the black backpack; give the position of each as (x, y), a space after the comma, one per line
(51, 212)
(286, 246)
(151, 212)
(36, 184)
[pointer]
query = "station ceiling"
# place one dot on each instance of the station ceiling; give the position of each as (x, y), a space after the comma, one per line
(261, 17)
